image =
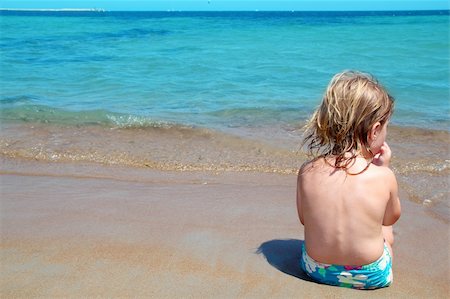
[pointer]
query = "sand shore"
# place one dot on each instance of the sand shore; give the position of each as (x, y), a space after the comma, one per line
(85, 230)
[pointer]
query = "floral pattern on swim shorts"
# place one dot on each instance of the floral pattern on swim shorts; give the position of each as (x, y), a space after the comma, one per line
(372, 276)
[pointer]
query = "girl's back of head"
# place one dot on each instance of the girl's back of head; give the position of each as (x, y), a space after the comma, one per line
(352, 104)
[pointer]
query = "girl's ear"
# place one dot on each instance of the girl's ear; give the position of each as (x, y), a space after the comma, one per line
(374, 132)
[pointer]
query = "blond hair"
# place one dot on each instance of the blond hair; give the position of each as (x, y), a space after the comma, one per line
(351, 105)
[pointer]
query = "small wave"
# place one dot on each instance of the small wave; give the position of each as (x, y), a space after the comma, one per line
(22, 109)
(17, 100)
(133, 121)
(30, 113)
(438, 168)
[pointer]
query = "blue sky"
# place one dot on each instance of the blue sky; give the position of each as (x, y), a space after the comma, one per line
(231, 4)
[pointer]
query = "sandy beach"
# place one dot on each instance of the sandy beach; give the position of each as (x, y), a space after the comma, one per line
(89, 230)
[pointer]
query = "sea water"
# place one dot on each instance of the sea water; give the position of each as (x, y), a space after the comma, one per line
(215, 69)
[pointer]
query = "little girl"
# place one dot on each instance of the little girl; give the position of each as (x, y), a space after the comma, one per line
(347, 197)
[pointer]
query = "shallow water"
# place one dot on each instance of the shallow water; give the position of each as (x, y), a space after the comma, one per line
(421, 158)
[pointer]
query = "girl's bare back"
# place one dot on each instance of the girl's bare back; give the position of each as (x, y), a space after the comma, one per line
(343, 213)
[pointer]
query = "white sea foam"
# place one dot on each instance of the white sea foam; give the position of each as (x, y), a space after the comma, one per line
(133, 121)
(55, 9)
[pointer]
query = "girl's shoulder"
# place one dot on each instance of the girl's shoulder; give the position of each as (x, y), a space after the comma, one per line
(311, 165)
(382, 172)
(319, 166)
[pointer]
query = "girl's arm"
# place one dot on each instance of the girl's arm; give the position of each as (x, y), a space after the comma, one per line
(299, 199)
(393, 207)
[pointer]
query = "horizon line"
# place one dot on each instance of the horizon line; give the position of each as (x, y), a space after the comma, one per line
(204, 10)
(52, 9)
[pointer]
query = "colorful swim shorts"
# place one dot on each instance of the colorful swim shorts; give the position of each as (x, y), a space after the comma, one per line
(372, 276)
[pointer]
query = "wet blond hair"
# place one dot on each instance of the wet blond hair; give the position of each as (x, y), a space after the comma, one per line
(352, 104)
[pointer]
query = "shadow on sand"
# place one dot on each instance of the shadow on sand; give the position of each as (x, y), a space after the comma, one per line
(285, 256)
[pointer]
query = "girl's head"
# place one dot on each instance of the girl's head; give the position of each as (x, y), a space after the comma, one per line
(351, 119)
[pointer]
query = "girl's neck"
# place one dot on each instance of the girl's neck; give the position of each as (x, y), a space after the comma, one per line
(350, 164)
(365, 153)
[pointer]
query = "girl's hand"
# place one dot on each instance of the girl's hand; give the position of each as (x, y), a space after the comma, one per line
(383, 158)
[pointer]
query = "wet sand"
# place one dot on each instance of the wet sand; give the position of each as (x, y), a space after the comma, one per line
(421, 158)
(90, 230)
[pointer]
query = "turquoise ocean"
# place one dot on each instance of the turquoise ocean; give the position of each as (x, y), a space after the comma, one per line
(215, 69)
